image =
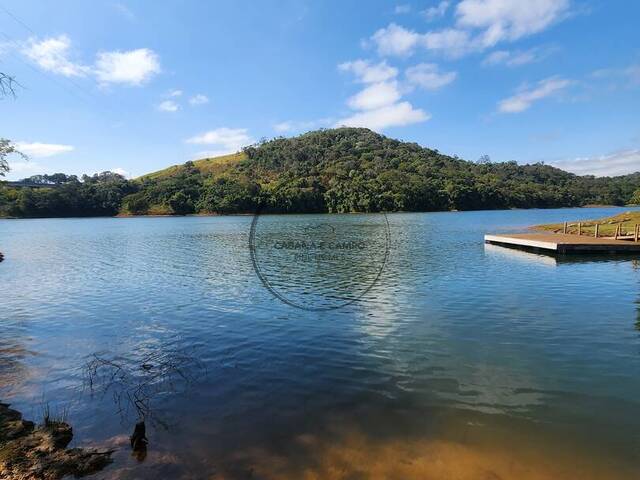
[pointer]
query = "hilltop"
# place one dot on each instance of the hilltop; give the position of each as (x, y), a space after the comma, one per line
(337, 170)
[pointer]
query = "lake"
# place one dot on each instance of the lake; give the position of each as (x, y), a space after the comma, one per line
(412, 351)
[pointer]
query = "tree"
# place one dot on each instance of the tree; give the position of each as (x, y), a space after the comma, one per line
(181, 204)
(7, 148)
(136, 204)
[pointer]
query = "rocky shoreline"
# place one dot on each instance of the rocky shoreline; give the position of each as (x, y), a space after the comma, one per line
(29, 451)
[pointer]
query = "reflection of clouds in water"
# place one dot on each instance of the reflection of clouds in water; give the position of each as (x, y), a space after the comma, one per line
(482, 454)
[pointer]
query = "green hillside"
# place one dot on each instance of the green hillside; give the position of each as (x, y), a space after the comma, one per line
(336, 170)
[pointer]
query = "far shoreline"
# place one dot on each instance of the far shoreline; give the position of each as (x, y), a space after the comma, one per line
(169, 215)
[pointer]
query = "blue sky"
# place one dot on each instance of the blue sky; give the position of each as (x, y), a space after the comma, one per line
(140, 85)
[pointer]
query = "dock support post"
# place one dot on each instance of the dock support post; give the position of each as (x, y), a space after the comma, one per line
(597, 228)
(579, 228)
(635, 234)
(564, 229)
(617, 232)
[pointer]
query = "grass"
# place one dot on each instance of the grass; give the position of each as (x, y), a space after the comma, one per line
(606, 226)
(49, 418)
(206, 166)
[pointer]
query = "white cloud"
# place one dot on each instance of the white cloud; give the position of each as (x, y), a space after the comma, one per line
(517, 57)
(133, 67)
(617, 163)
(479, 24)
(436, 11)
(120, 171)
(52, 55)
(428, 76)
(168, 106)
(522, 100)
(400, 9)
(199, 99)
(375, 96)
(42, 150)
(366, 72)
(509, 19)
(497, 57)
(452, 42)
(396, 40)
(377, 105)
(226, 140)
(174, 93)
(399, 114)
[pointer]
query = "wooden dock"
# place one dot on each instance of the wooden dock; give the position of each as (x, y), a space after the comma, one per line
(562, 243)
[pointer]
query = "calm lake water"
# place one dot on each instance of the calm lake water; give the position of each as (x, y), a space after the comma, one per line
(450, 359)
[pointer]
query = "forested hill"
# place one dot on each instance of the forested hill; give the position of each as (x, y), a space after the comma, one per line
(337, 170)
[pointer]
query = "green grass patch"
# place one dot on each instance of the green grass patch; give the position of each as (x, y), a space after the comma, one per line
(606, 226)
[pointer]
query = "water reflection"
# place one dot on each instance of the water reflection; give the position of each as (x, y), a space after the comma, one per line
(458, 351)
(136, 381)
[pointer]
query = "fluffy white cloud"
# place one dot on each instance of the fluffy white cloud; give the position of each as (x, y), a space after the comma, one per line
(509, 19)
(134, 67)
(41, 150)
(400, 9)
(428, 76)
(366, 72)
(398, 114)
(479, 24)
(199, 99)
(168, 106)
(377, 105)
(396, 40)
(617, 163)
(225, 140)
(374, 96)
(52, 55)
(522, 100)
(175, 93)
(436, 11)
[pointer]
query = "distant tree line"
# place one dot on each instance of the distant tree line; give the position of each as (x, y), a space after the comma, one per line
(97, 195)
(337, 170)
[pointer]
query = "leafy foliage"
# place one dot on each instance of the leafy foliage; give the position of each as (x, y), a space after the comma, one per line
(65, 196)
(337, 170)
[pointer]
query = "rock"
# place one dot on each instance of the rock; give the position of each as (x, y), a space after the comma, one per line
(29, 452)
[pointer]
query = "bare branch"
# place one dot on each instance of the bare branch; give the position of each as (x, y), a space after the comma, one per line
(7, 85)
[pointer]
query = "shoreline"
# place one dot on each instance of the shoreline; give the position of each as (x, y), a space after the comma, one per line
(29, 451)
(168, 215)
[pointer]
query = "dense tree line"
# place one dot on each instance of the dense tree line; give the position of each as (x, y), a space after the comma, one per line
(61, 195)
(338, 170)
